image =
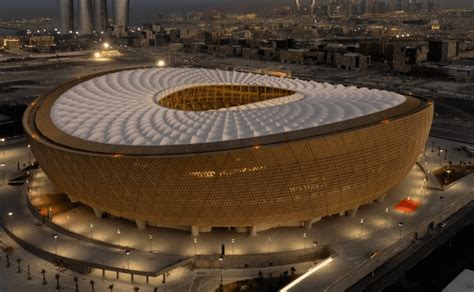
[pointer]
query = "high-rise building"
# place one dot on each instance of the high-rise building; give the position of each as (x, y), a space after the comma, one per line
(85, 17)
(314, 5)
(101, 18)
(65, 16)
(297, 6)
(121, 12)
(305, 7)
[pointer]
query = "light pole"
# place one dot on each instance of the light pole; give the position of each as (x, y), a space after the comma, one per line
(361, 227)
(269, 244)
(304, 240)
(440, 156)
(151, 242)
(315, 244)
(233, 243)
(221, 259)
(10, 215)
(127, 253)
(386, 216)
(68, 223)
(118, 236)
(400, 224)
(3, 145)
(195, 246)
(55, 236)
(29, 154)
(92, 230)
(3, 173)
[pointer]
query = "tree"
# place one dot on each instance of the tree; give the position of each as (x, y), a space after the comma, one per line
(57, 281)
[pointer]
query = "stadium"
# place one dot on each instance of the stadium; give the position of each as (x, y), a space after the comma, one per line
(197, 149)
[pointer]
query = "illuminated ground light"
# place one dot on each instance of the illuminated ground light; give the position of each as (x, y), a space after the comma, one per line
(408, 205)
(307, 274)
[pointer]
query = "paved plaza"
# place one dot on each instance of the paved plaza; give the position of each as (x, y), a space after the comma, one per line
(374, 227)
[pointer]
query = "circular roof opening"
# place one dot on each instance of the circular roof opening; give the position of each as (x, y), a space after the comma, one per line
(215, 97)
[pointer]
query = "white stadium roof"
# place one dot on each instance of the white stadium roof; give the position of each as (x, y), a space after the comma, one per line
(121, 108)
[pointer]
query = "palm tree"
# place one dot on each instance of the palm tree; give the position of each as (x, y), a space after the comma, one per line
(57, 282)
(293, 270)
(44, 276)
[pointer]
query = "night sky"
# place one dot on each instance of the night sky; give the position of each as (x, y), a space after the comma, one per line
(145, 9)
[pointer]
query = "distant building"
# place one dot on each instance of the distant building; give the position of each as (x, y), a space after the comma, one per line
(442, 51)
(461, 73)
(65, 16)
(40, 41)
(11, 44)
(405, 57)
(85, 17)
(121, 13)
(101, 17)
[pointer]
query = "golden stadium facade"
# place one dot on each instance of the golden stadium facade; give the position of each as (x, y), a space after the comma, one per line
(208, 148)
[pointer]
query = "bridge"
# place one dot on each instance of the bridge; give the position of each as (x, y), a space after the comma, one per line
(28, 25)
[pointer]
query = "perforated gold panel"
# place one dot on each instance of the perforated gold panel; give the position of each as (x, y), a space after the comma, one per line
(270, 184)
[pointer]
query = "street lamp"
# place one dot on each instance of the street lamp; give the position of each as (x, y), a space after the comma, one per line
(151, 242)
(106, 46)
(221, 259)
(55, 236)
(233, 243)
(3, 173)
(400, 224)
(10, 215)
(269, 244)
(127, 253)
(29, 153)
(68, 223)
(440, 157)
(304, 240)
(195, 244)
(361, 226)
(92, 230)
(386, 216)
(3, 145)
(160, 63)
(118, 236)
(315, 244)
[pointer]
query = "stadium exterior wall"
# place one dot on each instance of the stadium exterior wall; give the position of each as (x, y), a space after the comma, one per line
(267, 184)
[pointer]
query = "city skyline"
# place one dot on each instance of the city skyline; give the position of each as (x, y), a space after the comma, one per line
(148, 8)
